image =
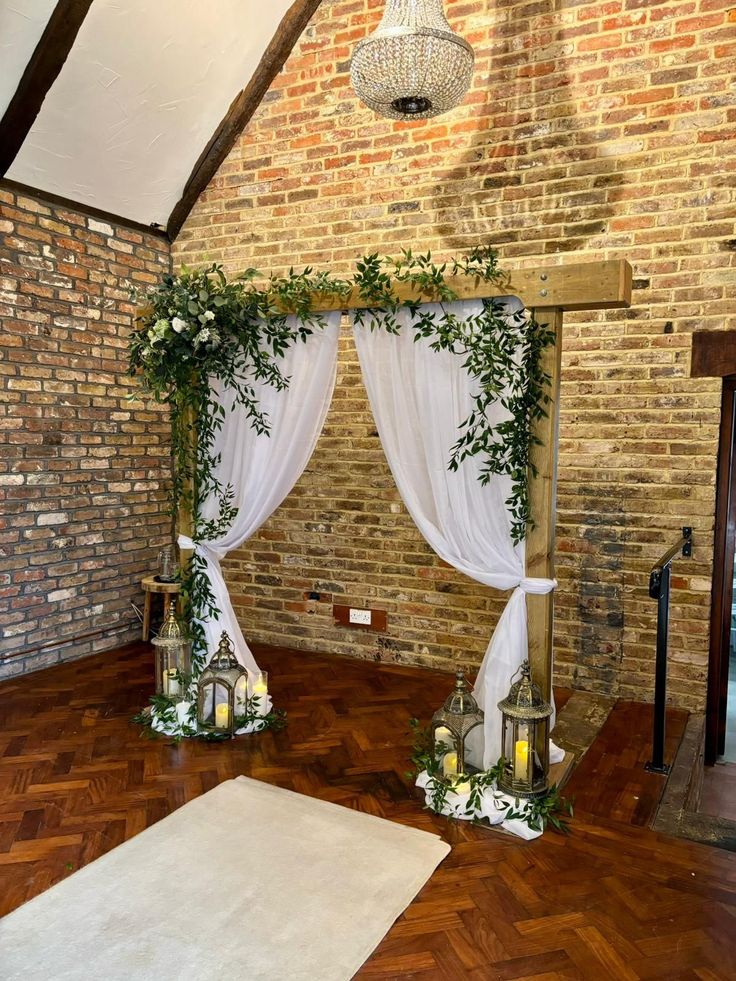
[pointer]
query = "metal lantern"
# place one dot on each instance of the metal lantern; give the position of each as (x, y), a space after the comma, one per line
(173, 653)
(413, 66)
(451, 726)
(218, 686)
(525, 738)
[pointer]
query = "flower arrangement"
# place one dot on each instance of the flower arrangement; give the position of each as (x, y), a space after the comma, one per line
(472, 797)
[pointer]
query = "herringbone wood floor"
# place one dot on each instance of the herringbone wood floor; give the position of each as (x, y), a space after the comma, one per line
(612, 900)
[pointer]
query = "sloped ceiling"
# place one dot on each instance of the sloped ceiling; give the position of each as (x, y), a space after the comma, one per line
(143, 88)
(21, 26)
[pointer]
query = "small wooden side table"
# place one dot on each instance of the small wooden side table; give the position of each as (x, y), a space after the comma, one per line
(166, 589)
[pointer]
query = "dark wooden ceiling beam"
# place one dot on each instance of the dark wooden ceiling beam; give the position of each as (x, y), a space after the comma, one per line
(41, 71)
(240, 112)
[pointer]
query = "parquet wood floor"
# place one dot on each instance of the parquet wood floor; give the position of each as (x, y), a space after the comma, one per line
(612, 900)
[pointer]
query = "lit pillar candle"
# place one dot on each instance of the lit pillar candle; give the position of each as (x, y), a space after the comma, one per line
(521, 759)
(171, 685)
(259, 692)
(449, 765)
(443, 737)
(222, 715)
(462, 787)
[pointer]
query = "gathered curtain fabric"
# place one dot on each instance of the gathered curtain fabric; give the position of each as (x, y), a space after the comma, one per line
(419, 399)
(263, 468)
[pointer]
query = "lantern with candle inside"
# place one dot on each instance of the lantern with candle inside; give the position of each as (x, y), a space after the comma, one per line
(525, 738)
(218, 684)
(173, 653)
(451, 726)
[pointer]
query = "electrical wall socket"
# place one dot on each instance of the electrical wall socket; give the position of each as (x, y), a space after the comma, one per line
(360, 616)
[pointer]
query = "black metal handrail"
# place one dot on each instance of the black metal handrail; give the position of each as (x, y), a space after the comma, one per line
(659, 589)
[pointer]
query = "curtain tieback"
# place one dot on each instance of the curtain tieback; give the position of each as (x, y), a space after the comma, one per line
(207, 551)
(537, 587)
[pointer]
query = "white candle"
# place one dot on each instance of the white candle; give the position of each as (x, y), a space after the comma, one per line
(521, 759)
(449, 765)
(171, 685)
(443, 737)
(462, 788)
(222, 715)
(259, 693)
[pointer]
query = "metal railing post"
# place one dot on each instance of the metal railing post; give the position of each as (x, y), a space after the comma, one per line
(659, 589)
(657, 763)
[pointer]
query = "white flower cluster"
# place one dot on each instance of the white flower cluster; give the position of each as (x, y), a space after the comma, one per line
(206, 336)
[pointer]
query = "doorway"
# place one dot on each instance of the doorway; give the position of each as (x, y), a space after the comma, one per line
(720, 735)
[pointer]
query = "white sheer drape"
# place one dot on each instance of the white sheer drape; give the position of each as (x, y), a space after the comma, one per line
(263, 469)
(419, 397)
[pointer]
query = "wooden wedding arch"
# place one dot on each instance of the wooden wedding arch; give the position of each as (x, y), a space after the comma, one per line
(550, 292)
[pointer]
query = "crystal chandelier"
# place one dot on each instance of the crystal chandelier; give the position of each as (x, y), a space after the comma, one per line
(414, 66)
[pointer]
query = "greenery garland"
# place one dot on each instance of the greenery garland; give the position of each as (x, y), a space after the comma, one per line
(198, 328)
(502, 352)
(162, 709)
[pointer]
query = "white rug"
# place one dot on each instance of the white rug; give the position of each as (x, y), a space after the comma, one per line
(246, 882)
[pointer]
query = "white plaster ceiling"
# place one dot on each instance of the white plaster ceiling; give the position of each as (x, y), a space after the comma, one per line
(21, 25)
(139, 97)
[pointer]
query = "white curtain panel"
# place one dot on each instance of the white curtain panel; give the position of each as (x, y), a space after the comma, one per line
(419, 398)
(263, 469)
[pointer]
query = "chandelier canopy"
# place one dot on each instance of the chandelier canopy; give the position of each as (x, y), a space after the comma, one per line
(413, 66)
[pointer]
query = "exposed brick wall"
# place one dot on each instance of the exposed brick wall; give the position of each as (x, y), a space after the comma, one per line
(593, 130)
(82, 471)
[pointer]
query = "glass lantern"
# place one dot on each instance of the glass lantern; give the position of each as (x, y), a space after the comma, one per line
(525, 738)
(173, 653)
(451, 726)
(167, 565)
(219, 688)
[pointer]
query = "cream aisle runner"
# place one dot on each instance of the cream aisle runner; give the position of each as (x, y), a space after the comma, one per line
(247, 882)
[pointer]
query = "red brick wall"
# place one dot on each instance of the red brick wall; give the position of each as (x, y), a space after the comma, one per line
(595, 128)
(82, 471)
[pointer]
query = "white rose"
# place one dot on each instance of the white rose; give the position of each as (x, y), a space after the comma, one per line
(179, 325)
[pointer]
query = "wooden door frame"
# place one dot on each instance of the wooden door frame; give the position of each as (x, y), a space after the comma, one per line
(713, 355)
(724, 547)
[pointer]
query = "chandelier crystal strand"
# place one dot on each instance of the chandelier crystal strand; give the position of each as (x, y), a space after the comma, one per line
(413, 66)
